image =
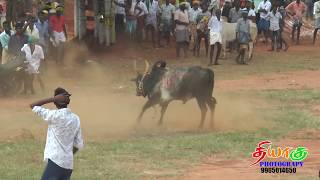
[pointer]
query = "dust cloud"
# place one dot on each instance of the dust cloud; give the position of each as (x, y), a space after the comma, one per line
(104, 98)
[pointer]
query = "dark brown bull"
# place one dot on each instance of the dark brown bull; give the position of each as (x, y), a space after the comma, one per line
(161, 85)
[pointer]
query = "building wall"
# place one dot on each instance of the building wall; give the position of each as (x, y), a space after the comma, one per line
(69, 14)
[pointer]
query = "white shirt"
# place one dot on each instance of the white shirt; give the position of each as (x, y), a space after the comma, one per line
(33, 58)
(316, 10)
(154, 8)
(34, 33)
(251, 13)
(119, 9)
(266, 6)
(193, 14)
(144, 8)
(274, 21)
(215, 25)
(63, 134)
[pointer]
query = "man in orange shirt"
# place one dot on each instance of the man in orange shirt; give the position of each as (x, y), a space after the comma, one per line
(296, 9)
(59, 32)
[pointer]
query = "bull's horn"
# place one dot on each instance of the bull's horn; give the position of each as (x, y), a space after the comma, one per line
(135, 66)
(147, 67)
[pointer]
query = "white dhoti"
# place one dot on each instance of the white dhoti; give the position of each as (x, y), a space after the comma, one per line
(59, 37)
(215, 37)
(5, 56)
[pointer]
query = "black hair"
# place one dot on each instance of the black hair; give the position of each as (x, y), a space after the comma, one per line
(59, 91)
(19, 24)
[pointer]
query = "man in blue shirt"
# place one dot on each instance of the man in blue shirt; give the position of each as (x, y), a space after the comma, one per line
(4, 39)
(43, 27)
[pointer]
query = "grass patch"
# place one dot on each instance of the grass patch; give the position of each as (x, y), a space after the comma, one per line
(305, 96)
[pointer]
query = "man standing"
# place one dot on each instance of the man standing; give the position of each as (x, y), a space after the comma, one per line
(152, 20)
(140, 12)
(263, 24)
(243, 36)
(296, 9)
(43, 28)
(120, 15)
(309, 12)
(182, 35)
(251, 12)
(235, 13)
(193, 13)
(33, 55)
(202, 28)
(166, 21)
(226, 10)
(274, 16)
(316, 13)
(64, 137)
(58, 32)
(215, 28)
(32, 30)
(283, 13)
(4, 39)
(18, 40)
(131, 19)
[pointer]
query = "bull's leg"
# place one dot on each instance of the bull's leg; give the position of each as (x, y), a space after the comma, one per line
(212, 105)
(163, 111)
(147, 105)
(203, 108)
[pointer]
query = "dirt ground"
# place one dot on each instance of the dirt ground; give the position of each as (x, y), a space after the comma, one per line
(104, 97)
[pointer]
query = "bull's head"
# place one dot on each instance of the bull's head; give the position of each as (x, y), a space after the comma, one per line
(141, 78)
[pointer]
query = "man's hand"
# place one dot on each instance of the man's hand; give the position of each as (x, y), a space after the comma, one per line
(42, 102)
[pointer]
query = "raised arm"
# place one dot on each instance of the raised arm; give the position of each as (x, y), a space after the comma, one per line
(57, 99)
(42, 102)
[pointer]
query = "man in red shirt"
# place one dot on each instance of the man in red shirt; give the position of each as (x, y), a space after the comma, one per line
(58, 32)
